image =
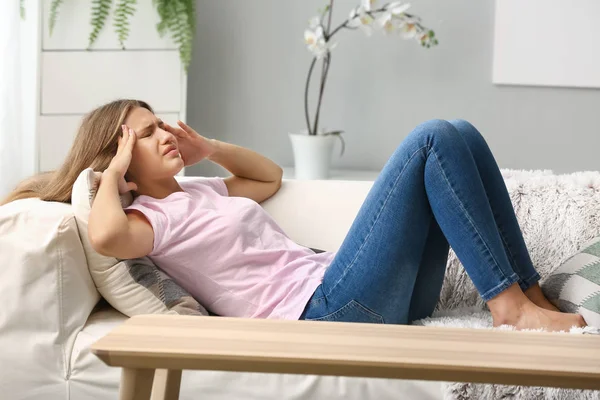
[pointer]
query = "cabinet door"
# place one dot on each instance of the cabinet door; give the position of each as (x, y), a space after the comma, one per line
(56, 134)
(77, 82)
(73, 27)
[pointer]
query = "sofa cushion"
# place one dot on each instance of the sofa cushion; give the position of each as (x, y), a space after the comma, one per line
(46, 296)
(134, 286)
(575, 285)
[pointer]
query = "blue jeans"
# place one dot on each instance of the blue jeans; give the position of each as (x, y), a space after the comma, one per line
(441, 187)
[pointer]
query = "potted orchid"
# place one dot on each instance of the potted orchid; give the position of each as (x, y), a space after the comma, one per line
(312, 148)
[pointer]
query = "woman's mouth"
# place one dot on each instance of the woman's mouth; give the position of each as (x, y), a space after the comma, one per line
(171, 151)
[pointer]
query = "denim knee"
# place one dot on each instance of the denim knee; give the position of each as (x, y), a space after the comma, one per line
(463, 126)
(435, 130)
(469, 133)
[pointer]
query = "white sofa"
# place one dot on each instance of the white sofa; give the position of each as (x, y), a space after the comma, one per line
(48, 303)
(49, 317)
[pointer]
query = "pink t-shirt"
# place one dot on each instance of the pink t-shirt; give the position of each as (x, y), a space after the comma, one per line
(229, 253)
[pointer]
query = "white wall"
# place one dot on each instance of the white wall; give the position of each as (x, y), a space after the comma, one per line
(247, 77)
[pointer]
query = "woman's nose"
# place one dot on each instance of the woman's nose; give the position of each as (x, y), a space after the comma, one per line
(167, 137)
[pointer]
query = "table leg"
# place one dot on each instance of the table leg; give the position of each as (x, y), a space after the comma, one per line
(166, 384)
(136, 384)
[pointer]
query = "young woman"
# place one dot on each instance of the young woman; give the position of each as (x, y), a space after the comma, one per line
(441, 187)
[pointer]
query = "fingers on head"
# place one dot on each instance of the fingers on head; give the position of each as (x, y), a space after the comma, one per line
(123, 137)
(184, 126)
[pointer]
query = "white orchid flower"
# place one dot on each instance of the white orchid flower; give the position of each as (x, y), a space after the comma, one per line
(315, 40)
(359, 18)
(385, 22)
(388, 22)
(367, 5)
(393, 17)
(408, 29)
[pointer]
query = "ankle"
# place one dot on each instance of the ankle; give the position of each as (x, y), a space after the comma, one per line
(508, 306)
(534, 293)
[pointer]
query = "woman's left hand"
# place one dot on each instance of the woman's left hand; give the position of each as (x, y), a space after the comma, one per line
(193, 147)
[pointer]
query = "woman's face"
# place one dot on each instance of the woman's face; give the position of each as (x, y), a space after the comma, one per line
(156, 152)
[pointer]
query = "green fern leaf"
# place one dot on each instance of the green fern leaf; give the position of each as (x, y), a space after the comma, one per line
(190, 9)
(100, 12)
(124, 9)
(181, 25)
(163, 13)
(54, 13)
(178, 17)
(22, 7)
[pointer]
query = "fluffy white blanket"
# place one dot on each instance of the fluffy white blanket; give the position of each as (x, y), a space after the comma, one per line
(557, 214)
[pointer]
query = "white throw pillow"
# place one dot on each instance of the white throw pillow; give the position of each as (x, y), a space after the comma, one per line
(575, 286)
(134, 286)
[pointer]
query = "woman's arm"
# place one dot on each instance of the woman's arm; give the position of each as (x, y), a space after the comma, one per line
(112, 232)
(245, 163)
(255, 176)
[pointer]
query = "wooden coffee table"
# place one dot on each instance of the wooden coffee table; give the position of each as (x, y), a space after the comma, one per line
(170, 344)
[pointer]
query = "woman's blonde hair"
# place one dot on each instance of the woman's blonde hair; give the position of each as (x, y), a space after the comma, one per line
(95, 145)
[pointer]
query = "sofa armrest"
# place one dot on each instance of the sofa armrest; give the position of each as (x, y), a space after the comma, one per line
(46, 291)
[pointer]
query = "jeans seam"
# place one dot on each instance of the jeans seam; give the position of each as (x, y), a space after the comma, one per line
(468, 216)
(506, 245)
(359, 251)
(352, 304)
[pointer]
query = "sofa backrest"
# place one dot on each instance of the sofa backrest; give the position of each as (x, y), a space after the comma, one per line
(46, 294)
(317, 214)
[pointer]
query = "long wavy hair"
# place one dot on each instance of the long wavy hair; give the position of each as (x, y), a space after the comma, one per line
(95, 145)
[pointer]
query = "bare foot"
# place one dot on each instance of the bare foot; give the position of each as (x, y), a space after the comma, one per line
(531, 316)
(535, 294)
(513, 307)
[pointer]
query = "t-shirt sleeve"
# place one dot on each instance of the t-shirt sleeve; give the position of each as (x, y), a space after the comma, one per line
(157, 218)
(216, 183)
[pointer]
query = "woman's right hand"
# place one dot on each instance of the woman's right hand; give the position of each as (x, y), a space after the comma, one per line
(120, 162)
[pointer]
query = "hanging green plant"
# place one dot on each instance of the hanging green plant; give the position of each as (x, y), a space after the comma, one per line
(100, 12)
(124, 10)
(54, 13)
(176, 17)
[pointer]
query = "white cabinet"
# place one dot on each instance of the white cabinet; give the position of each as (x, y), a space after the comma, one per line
(76, 82)
(73, 80)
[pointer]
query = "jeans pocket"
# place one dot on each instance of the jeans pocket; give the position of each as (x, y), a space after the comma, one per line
(353, 311)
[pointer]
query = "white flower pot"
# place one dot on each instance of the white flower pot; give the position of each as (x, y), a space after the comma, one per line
(312, 155)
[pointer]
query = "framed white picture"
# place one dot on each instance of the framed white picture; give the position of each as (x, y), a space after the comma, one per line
(547, 43)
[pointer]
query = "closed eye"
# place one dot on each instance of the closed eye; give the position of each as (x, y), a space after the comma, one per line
(149, 130)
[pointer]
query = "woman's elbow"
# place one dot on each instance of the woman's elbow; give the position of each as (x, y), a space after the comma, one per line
(100, 243)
